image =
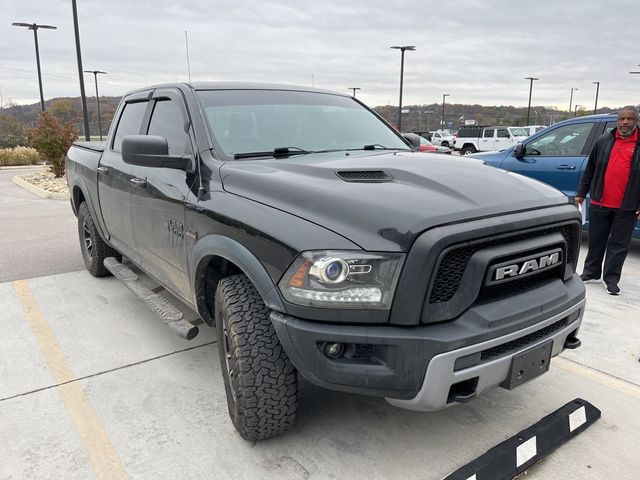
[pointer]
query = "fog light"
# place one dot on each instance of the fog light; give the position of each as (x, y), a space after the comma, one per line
(333, 350)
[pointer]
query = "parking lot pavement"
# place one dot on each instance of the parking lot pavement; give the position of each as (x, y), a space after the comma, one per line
(38, 236)
(94, 386)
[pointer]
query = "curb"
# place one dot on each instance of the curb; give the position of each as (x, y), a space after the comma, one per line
(39, 191)
(22, 167)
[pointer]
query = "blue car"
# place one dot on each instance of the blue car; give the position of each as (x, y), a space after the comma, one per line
(556, 155)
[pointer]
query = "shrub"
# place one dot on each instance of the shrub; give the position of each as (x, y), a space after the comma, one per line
(52, 139)
(18, 156)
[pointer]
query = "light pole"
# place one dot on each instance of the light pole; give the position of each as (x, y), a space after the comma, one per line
(571, 98)
(531, 79)
(595, 107)
(95, 76)
(402, 50)
(35, 27)
(420, 112)
(575, 111)
(83, 98)
(354, 90)
(428, 113)
(444, 95)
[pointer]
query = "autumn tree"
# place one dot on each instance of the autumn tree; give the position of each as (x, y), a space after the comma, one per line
(52, 138)
(12, 131)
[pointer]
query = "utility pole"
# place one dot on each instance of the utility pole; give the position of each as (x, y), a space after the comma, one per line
(531, 80)
(95, 75)
(402, 49)
(442, 124)
(571, 98)
(35, 27)
(83, 98)
(595, 107)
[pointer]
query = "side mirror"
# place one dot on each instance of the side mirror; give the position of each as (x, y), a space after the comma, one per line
(152, 151)
(413, 139)
(518, 150)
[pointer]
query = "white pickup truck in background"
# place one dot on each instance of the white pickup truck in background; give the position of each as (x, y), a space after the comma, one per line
(442, 138)
(483, 139)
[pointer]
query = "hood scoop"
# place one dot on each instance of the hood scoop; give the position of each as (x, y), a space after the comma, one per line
(364, 176)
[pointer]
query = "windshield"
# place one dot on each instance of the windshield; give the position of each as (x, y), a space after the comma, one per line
(263, 121)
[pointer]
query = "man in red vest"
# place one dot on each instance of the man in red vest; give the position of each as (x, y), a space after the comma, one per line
(612, 177)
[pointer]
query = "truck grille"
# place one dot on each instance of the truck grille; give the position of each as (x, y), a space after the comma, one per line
(453, 264)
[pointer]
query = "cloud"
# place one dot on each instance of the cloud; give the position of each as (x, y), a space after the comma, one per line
(478, 51)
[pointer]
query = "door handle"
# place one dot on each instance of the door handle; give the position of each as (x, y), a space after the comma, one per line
(138, 181)
(103, 170)
(566, 167)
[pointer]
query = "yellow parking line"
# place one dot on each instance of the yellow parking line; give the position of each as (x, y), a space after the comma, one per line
(102, 455)
(596, 376)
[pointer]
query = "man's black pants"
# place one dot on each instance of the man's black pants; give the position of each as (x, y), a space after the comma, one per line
(610, 231)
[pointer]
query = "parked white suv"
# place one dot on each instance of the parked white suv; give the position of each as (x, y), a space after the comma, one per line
(483, 139)
(531, 129)
(518, 132)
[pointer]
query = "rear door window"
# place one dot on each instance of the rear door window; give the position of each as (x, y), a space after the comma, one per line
(130, 122)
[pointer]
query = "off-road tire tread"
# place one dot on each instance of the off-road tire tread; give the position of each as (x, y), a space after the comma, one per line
(100, 249)
(464, 150)
(266, 380)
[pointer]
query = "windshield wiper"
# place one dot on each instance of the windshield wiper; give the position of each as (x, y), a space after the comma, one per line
(276, 152)
(376, 146)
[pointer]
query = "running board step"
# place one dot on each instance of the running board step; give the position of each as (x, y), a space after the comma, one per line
(169, 314)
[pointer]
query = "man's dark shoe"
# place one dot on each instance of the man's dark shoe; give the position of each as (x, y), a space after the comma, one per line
(586, 278)
(613, 289)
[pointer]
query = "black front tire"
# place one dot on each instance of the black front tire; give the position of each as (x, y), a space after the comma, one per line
(259, 379)
(94, 248)
(467, 151)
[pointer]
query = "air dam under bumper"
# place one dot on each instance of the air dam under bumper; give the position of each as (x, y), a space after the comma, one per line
(421, 367)
(442, 382)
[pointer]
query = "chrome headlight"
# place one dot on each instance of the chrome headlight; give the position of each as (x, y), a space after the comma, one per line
(342, 279)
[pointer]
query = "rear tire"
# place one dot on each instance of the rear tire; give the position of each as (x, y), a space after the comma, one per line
(94, 248)
(467, 150)
(259, 379)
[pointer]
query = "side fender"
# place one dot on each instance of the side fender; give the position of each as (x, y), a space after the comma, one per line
(78, 182)
(240, 256)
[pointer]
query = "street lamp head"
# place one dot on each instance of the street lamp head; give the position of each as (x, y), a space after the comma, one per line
(403, 48)
(95, 72)
(33, 26)
(531, 78)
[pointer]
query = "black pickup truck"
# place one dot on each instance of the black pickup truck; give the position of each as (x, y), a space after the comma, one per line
(317, 242)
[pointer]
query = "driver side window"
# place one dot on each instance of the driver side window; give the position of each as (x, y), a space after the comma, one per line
(566, 141)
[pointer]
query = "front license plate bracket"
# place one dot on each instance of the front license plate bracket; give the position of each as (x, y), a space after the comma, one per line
(528, 365)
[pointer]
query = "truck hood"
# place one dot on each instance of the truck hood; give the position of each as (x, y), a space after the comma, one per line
(421, 191)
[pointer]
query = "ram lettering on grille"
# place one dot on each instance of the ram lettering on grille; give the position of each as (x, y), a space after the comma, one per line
(526, 266)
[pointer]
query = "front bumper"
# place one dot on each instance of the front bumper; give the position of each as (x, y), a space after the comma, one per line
(419, 367)
(444, 384)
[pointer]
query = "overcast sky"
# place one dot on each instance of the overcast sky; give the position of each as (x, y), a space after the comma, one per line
(478, 51)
